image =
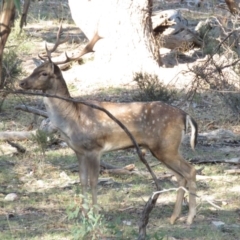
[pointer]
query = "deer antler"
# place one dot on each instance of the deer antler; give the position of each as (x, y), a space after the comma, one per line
(88, 48)
(57, 43)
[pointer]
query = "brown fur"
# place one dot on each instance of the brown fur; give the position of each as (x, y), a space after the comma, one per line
(89, 132)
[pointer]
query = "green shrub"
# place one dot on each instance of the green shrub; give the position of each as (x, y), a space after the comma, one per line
(151, 89)
(43, 140)
(87, 223)
(11, 65)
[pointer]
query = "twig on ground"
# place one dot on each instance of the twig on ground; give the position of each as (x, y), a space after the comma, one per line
(176, 189)
(32, 110)
(19, 148)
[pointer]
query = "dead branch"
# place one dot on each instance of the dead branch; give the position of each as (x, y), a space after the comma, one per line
(16, 136)
(107, 165)
(127, 170)
(113, 170)
(215, 178)
(231, 160)
(212, 73)
(130, 167)
(110, 169)
(232, 171)
(174, 31)
(120, 171)
(165, 175)
(145, 215)
(19, 148)
(32, 110)
(176, 189)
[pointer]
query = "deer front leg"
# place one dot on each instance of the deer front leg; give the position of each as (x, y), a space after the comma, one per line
(89, 166)
(83, 173)
(93, 171)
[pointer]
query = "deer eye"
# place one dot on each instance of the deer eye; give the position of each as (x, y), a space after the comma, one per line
(44, 74)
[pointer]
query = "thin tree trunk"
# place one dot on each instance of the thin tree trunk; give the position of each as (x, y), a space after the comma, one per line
(6, 21)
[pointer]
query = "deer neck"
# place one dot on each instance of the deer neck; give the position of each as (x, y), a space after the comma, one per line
(59, 109)
(58, 86)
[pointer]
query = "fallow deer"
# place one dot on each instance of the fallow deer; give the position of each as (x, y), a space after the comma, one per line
(89, 132)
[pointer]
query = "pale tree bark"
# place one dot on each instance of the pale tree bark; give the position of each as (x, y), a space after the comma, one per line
(127, 45)
(6, 21)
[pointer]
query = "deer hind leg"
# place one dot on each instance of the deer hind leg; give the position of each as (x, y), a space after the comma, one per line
(180, 195)
(192, 197)
(186, 175)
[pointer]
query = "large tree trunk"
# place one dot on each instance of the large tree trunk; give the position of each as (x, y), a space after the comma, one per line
(6, 21)
(127, 45)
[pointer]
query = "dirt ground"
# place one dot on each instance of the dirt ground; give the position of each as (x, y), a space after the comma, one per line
(46, 183)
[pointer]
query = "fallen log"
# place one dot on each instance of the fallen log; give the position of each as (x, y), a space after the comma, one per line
(129, 167)
(119, 171)
(182, 41)
(105, 166)
(32, 110)
(110, 169)
(46, 127)
(174, 32)
(231, 160)
(17, 136)
(232, 171)
(216, 178)
(108, 166)
(167, 21)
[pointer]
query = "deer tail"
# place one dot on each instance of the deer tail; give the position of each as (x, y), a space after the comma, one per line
(194, 131)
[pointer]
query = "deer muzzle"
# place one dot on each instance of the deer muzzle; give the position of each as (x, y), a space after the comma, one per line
(23, 84)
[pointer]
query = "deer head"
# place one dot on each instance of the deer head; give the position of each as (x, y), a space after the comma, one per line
(43, 78)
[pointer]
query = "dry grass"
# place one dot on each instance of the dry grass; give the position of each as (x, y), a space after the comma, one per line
(46, 188)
